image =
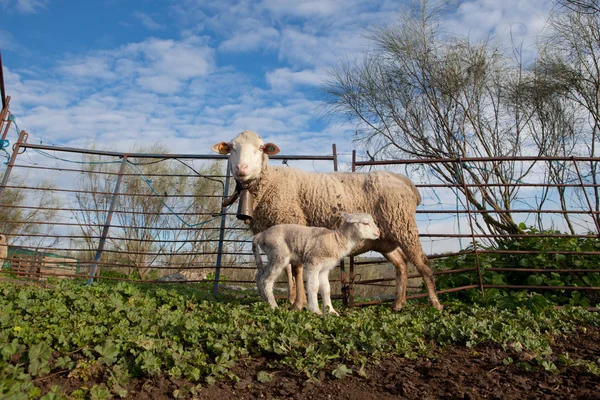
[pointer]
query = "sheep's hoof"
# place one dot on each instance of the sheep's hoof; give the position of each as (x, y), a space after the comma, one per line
(297, 306)
(316, 311)
(438, 306)
(397, 305)
(332, 311)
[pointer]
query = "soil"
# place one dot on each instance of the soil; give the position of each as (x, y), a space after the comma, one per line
(454, 372)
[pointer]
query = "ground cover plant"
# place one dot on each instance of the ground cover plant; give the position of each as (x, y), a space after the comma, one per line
(543, 257)
(101, 337)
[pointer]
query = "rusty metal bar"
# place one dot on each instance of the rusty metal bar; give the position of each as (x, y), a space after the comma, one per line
(232, 213)
(109, 193)
(4, 117)
(11, 162)
(5, 100)
(544, 270)
(164, 156)
(471, 159)
(350, 284)
(120, 226)
(221, 233)
(417, 296)
(113, 202)
(105, 210)
(335, 159)
(587, 288)
(125, 239)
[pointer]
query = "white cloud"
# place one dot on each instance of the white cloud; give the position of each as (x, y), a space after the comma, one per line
(284, 79)
(147, 21)
(24, 6)
(162, 84)
(7, 41)
(506, 21)
(251, 40)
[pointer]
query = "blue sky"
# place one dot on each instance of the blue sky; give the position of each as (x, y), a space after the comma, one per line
(190, 73)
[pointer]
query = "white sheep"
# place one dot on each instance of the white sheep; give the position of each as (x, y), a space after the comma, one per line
(318, 250)
(284, 195)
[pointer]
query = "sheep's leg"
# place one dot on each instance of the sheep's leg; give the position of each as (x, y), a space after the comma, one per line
(427, 274)
(414, 254)
(397, 258)
(312, 285)
(274, 269)
(291, 284)
(325, 290)
(300, 301)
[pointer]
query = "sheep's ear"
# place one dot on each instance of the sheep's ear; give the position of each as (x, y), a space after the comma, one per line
(222, 148)
(270, 149)
(347, 217)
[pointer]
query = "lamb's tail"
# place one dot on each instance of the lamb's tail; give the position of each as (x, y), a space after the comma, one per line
(256, 251)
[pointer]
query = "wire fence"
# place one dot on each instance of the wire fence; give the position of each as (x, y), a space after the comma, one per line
(490, 231)
(94, 214)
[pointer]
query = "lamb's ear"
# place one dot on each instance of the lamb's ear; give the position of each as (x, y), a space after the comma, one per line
(222, 148)
(347, 217)
(270, 149)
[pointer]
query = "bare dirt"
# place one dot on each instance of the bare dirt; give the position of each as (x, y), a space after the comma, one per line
(455, 372)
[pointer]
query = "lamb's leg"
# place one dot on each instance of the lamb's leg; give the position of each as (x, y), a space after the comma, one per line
(261, 275)
(291, 284)
(274, 269)
(325, 290)
(300, 301)
(397, 258)
(312, 285)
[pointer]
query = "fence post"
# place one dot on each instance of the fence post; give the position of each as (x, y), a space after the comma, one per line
(468, 205)
(94, 270)
(221, 233)
(594, 217)
(11, 162)
(351, 284)
(4, 117)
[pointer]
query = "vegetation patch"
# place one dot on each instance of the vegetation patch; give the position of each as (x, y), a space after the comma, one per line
(107, 334)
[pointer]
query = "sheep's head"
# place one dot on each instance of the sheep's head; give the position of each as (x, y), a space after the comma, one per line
(362, 224)
(247, 153)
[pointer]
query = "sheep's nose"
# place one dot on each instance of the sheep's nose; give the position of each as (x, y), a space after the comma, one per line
(241, 169)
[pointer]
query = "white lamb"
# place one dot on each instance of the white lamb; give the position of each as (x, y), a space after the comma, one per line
(318, 250)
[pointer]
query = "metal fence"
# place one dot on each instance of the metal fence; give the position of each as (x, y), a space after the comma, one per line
(140, 216)
(578, 210)
(126, 216)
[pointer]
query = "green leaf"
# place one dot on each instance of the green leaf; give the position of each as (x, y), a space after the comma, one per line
(100, 392)
(39, 358)
(341, 371)
(109, 352)
(264, 377)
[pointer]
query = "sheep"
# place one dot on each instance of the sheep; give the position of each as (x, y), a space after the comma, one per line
(318, 250)
(284, 195)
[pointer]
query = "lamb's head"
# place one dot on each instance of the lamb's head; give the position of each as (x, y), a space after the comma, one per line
(247, 155)
(362, 225)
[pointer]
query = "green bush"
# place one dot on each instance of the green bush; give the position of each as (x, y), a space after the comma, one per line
(539, 260)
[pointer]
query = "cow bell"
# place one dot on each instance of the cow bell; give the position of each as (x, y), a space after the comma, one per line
(245, 206)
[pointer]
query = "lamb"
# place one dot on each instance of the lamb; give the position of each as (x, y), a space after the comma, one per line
(284, 195)
(317, 249)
